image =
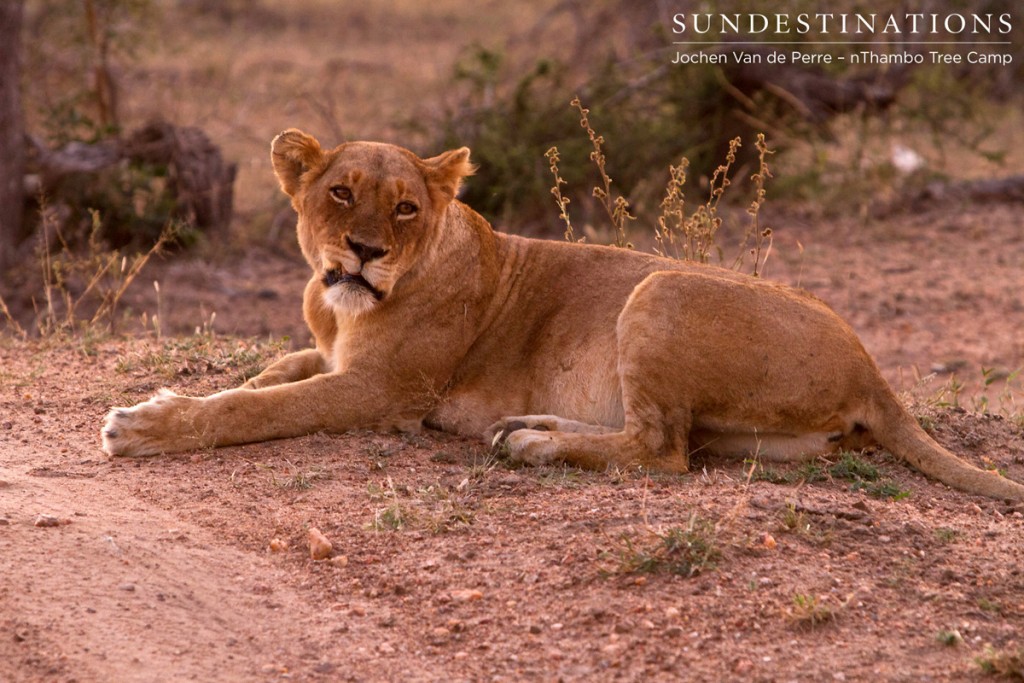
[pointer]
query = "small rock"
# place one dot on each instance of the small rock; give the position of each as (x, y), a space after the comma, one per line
(277, 545)
(4, 521)
(535, 629)
(46, 520)
(340, 561)
(440, 634)
(672, 612)
(127, 587)
(673, 631)
(769, 542)
(319, 547)
(742, 666)
(386, 648)
(466, 595)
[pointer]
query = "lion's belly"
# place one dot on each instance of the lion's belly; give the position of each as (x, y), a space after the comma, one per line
(573, 387)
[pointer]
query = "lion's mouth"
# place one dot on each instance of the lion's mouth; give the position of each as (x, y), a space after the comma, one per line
(336, 276)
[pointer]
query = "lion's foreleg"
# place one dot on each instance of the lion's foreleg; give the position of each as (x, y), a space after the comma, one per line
(169, 423)
(291, 368)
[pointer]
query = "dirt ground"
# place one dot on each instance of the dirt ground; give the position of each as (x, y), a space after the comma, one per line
(446, 565)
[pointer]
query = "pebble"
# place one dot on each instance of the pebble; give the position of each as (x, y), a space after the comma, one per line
(277, 545)
(466, 595)
(46, 520)
(340, 561)
(319, 547)
(128, 587)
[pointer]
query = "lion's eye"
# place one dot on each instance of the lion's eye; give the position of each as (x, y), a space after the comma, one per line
(406, 209)
(341, 194)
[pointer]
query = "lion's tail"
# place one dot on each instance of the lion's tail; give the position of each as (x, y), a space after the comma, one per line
(898, 431)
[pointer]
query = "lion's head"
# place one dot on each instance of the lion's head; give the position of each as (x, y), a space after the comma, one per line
(367, 211)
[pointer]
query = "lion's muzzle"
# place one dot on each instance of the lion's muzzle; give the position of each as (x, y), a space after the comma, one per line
(336, 276)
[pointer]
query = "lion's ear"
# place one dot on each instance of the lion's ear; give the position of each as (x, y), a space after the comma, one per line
(293, 153)
(446, 171)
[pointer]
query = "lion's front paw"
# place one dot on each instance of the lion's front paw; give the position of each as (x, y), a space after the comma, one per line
(159, 425)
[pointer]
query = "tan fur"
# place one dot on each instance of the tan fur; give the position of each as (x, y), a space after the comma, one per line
(592, 356)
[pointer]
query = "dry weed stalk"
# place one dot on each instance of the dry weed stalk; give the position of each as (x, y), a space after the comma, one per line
(617, 208)
(107, 275)
(10, 319)
(692, 238)
(762, 238)
(677, 235)
(563, 202)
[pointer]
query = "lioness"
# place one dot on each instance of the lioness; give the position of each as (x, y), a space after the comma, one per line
(587, 355)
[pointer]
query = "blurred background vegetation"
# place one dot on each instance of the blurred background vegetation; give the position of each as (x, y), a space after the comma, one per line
(497, 77)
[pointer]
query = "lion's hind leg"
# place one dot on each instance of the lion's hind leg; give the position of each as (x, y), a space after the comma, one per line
(547, 439)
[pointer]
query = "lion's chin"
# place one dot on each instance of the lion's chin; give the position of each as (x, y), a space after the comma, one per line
(350, 298)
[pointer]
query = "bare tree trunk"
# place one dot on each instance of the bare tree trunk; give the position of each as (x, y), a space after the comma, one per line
(12, 144)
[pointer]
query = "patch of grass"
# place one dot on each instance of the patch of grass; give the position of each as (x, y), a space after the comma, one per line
(564, 477)
(864, 476)
(391, 516)
(795, 520)
(204, 354)
(810, 611)
(949, 637)
(861, 474)
(1008, 663)
(852, 468)
(300, 479)
(446, 509)
(947, 534)
(991, 606)
(682, 551)
(436, 508)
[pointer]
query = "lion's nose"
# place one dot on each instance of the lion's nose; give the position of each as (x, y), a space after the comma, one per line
(364, 252)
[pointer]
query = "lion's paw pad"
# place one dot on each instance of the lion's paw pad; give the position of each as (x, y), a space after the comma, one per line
(139, 430)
